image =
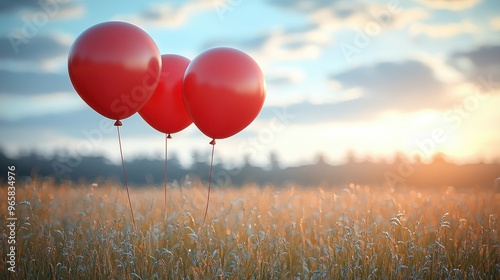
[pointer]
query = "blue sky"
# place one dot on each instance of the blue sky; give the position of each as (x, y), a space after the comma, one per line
(373, 77)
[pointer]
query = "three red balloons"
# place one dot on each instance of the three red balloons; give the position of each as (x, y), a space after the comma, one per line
(224, 91)
(115, 68)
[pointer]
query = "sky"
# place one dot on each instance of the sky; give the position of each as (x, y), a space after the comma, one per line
(368, 78)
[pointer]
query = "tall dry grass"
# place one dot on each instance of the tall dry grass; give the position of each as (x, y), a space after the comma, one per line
(72, 231)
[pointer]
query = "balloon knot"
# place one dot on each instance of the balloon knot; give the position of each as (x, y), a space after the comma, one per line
(169, 136)
(118, 123)
(212, 142)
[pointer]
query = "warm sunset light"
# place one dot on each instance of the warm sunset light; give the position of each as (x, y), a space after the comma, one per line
(369, 77)
(238, 139)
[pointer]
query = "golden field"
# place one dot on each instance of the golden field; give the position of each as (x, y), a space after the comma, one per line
(77, 231)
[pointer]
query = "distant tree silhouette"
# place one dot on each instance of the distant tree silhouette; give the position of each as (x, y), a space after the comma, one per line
(274, 161)
(141, 172)
(350, 157)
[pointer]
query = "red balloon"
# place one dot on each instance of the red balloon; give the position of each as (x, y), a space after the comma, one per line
(165, 110)
(224, 90)
(115, 68)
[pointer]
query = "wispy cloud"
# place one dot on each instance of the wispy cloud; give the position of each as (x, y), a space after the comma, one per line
(404, 86)
(443, 30)
(36, 49)
(403, 71)
(495, 23)
(167, 15)
(483, 61)
(285, 76)
(326, 18)
(278, 44)
(31, 83)
(50, 9)
(303, 6)
(450, 4)
(14, 107)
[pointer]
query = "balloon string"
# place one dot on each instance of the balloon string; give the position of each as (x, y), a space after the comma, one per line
(166, 170)
(210, 179)
(118, 124)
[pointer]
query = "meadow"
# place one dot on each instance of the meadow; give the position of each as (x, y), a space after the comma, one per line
(80, 231)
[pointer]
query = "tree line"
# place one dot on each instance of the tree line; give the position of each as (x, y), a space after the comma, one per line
(146, 172)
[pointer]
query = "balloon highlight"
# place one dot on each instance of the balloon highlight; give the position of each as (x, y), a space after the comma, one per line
(224, 91)
(165, 110)
(115, 68)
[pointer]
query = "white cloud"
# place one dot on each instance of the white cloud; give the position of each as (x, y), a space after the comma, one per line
(283, 76)
(386, 16)
(409, 16)
(71, 12)
(442, 30)
(42, 52)
(166, 15)
(443, 71)
(58, 62)
(41, 12)
(275, 47)
(307, 42)
(495, 23)
(23, 106)
(450, 4)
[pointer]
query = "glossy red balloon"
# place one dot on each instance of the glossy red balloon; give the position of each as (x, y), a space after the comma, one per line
(115, 68)
(165, 110)
(224, 91)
